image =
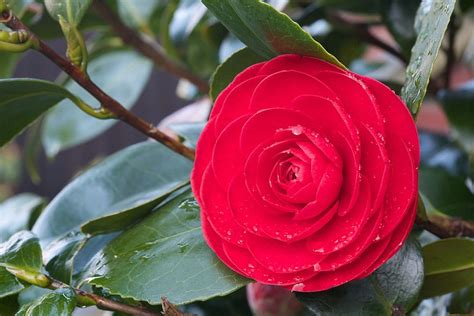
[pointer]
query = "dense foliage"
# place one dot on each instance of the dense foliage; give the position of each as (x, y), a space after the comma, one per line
(126, 233)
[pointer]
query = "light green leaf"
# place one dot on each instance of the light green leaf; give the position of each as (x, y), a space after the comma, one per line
(122, 75)
(393, 286)
(431, 21)
(164, 255)
(137, 13)
(227, 71)
(265, 30)
(132, 180)
(185, 18)
(59, 255)
(449, 266)
(18, 213)
(9, 284)
(61, 302)
(190, 132)
(71, 10)
(8, 63)
(23, 101)
(21, 252)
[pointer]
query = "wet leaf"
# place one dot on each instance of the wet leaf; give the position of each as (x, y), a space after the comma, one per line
(61, 302)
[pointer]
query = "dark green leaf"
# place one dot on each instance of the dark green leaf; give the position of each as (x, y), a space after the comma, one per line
(393, 286)
(9, 305)
(462, 302)
(18, 213)
(432, 19)
(122, 75)
(459, 107)
(360, 6)
(61, 302)
(23, 101)
(9, 284)
(164, 255)
(190, 132)
(132, 180)
(448, 194)
(185, 19)
(227, 71)
(71, 10)
(265, 30)
(59, 255)
(399, 16)
(22, 252)
(449, 266)
(18, 6)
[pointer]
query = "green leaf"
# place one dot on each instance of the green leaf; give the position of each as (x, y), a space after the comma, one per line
(449, 266)
(185, 19)
(21, 252)
(122, 75)
(227, 71)
(71, 10)
(23, 101)
(448, 194)
(190, 132)
(59, 255)
(8, 63)
(459, 107)
(18, 213)
(431, 21)
(393, 286)
(164, 255)
(265, 30)
(19, 6)
(399, 16)
(61, 302)
(9, 305)
(137, 13)
(132, 180)
(9, 284)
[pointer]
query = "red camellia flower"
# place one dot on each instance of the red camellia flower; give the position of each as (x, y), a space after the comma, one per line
(306, 174)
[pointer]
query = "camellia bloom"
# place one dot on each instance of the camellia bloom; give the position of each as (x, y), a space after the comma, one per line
(306, 174)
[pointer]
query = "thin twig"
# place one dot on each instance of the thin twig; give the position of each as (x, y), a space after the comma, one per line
(446, 227)
(105, 100)
(104, 303)
(362, 30)
(147, 46)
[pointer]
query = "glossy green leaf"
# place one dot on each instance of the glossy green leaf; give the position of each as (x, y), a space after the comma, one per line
(448, 194)
(121, 74)
(133, 180)
(71, 10)
(189, 132)
(164, 255)
(19, 6)
(18, 213)
(22, 251)
(9, 284)
(137, 13)
(265, 30)
(394, 286)
(23, 101)
(459, 107)
(61, 302)
(59, 256)
(449, 266)
(430, 24)
(399, 16)
(462, 302)
(227, 71)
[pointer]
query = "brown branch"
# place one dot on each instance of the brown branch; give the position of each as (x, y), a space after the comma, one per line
(105, 100)
(147, 46)
(102, 302)
(362, 30)
(446, 227)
